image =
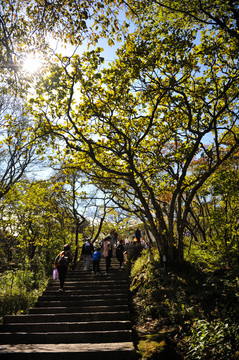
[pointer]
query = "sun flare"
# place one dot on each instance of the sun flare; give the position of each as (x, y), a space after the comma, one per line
(32, 64)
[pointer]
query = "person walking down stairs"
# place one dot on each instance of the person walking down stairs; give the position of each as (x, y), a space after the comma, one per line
(61, 264)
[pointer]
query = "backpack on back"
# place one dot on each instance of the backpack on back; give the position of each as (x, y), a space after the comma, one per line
(62, 259)
(87, 249)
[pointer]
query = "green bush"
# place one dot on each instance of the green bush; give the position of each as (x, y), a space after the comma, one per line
(19, 290)
(194, 308)
(213, 340)
(146, 275)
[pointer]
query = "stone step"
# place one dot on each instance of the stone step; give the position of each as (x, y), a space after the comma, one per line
(114, 267)
(67, 317)
(69, 296)
(121, 274)
(85, 351)
(90, 285)
(110, 336)
(67, 326)
(112, 270)
(83, 302)
(78, 285)
(96, 280)
(65, 309)
(85, 291)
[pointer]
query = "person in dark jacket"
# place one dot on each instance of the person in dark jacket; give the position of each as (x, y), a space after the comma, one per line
(120, 253)
(138, 236)
(87, 251)
(62, 261)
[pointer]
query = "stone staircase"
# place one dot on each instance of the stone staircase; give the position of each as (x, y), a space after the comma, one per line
(89, 320)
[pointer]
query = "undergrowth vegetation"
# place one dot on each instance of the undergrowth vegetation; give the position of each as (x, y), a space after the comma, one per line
(20, 288)
(189, 312)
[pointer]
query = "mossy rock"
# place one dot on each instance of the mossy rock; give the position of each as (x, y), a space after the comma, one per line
(154, 347)
(149, 348)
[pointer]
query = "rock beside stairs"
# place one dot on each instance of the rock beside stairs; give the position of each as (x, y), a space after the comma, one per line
(89, 320)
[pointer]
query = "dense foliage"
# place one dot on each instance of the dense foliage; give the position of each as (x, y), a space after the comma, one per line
(20, 287)
(154, 125)
(189, 313)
